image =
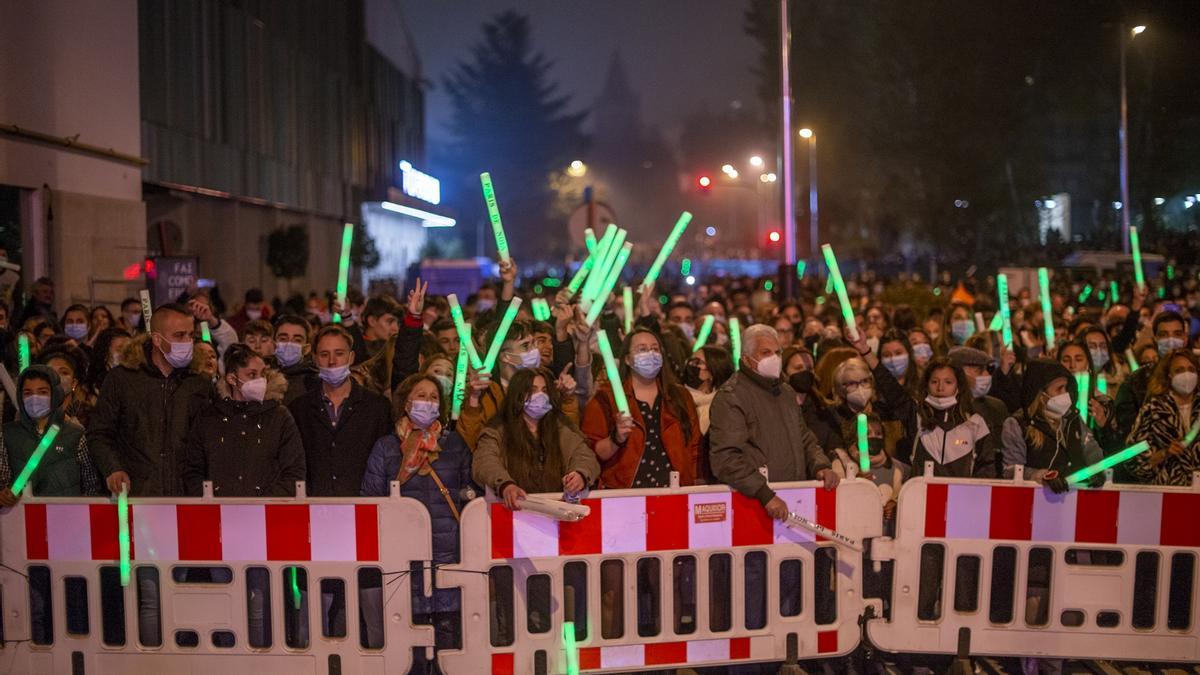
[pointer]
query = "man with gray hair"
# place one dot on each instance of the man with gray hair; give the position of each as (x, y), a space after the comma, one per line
(758, 429)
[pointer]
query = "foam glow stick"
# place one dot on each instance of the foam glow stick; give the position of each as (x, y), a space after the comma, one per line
(510, 315)
(570, 648)
(147, 312)
(864, 445)
(1102, 383)
(343, 280)
(668, 246)
(735, 341)
(589, 239)
(123, 532)
(702, 336)
(1192, 434)
(1005, 315)
(839, 285)
(1083, 382)
(1047, 307)
(489, 197)
(460, 379)
(593, 259)
(1133, 364)
(997, 322)
(599, 274)
(797, 521)
(1109, 462)
(205, 333)
(801, 265)
(1112, 288)
(36, 458)
(295, 588)
(627, 299)
(614, 273)
(1085, 294)
(464, 332)
(1135, 246)
(22, 353)
(614, 375)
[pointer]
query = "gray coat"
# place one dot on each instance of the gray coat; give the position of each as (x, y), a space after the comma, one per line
(757, 422)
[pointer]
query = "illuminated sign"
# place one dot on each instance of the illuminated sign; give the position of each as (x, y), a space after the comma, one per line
(420, 185)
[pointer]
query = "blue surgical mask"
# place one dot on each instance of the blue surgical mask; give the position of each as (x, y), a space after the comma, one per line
(335, 376)
(530, 359)
(423, 413)
(180, 354)
(647, 364)
(1168, 345)
(1099, 358)
(897, 365)
(922, 351)
(37, 406)
(537, 405)
(288, 353)
(76, 331)
(961, 330)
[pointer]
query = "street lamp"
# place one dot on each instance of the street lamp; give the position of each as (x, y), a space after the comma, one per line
(1122, 137)
(806, 133)
(756, 162)
(813, 244)
(577, 169)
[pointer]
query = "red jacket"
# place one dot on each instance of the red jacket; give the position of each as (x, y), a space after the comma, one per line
(618, 471)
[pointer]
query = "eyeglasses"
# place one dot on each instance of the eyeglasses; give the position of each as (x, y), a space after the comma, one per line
(643, 349)
(853, 385)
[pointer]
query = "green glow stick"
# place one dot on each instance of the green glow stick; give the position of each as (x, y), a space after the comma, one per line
(593, 259)
(489, 197)
(614, 274)
(735, 340)
(1102, 383)
(839, 285)
(801, 265)
(589, 239)
(599, 273)
(35, 459)
(614, 375)
(343, 280)
(464, 332)
(997, 323)
(295, 587)
(460, 380)
(1133, 364)
(123, 532)
(1005, 311)
(1047, 307)
(205, 333)
(535, 308)
(702, 336)
(1135, 246)
(627, 299)
(147, 311)
(864, 445)
(1109, 462)
(570, 648)
(1083, 382)
(668, 246)
(1192, 434)
(1085, 294)
(510, 315)
(1112, 287)
(22, 353)
(581, 274)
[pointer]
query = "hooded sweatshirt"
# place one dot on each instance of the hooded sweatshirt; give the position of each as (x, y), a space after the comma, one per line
(67, 469)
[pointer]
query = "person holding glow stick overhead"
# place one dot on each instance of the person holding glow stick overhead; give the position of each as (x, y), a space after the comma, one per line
(1165, 421)
(661, 434)
(66, 470)
(1047, 436)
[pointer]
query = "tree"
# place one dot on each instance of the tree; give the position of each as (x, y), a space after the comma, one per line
(363, 252)
(509, 121)
(287, 252)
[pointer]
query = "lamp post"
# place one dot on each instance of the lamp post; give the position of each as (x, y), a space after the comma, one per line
(1123, 138)
(785, 96)
(813, 233)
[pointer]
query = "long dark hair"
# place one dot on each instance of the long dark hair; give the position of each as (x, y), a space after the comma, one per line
(524, 454)
(98, 368)
(959, 413)
(675, 394)
(719, 363)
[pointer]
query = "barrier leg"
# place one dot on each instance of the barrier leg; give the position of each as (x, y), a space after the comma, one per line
(962, 663)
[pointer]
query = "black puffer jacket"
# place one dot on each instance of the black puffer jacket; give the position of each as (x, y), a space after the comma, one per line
(337, 456)
(246, 448)
(301, 378)
(141, 421)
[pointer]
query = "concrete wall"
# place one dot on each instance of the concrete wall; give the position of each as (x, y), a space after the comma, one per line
(67, 68)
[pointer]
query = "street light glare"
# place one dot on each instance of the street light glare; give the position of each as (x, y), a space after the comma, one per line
(756, 161)
(727, 168)
(806, 133)
(577, 168)
(1138, 30)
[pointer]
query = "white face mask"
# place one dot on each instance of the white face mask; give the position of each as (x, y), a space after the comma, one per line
(1184, 383)
(983, 384)
(770, 367)
(859, 398)
(941, 402)
(255, 390)
(253, 314)
(178, 354)
(1057, 406)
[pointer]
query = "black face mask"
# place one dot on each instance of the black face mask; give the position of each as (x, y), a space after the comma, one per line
(802, 381)
(811, 341)
(691, 375)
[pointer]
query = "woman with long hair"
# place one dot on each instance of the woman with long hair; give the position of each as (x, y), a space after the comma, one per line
(948, 431)
(704, 373)
(1077, 359)
(530, 445)
(661, 434)
(1169, 413)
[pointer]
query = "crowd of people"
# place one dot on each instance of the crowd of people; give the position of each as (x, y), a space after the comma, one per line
(350, 399)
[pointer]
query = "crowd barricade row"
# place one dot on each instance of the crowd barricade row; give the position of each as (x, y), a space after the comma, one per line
(217, 585)
(660, 578)
(1106, 573)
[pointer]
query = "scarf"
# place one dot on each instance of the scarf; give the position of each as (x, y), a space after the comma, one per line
(418, 448)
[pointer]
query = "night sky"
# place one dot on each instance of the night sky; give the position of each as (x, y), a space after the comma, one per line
(679, 53)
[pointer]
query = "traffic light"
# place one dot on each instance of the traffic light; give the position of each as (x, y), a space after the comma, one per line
(705, 183)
